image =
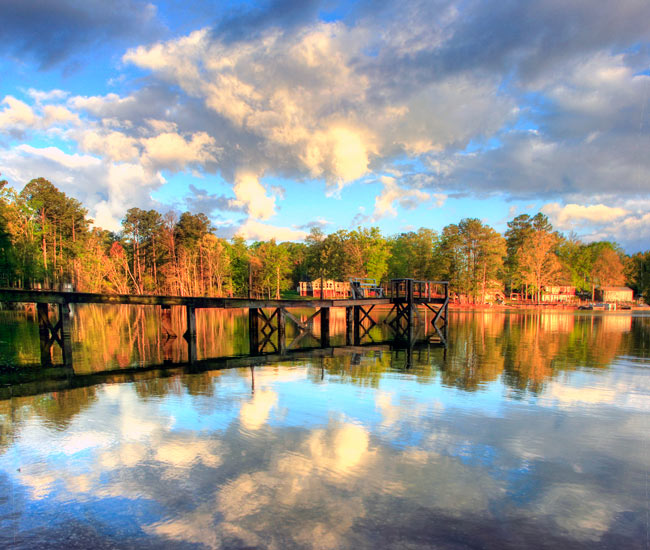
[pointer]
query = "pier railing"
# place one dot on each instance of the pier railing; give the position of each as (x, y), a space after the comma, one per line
(410, 290)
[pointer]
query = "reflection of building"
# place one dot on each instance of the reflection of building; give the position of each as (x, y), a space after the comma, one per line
(613, 294)
(617, 323)
(331, 289)
(559, 294)
(557, 322)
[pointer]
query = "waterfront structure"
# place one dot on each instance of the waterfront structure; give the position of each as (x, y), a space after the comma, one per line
(559, 294)
(266, 318)
(324, 288)
(614, 294)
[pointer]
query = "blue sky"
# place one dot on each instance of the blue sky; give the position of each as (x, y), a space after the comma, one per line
(280, 116)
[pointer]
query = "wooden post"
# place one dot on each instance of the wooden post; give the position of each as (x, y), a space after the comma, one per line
(43, 313)
(66, 333)
(253, 330)
(324, 327)
(349, 323)
(190, 334)
(409, 312)
(281, 316)
(357, 325)
(446, 302)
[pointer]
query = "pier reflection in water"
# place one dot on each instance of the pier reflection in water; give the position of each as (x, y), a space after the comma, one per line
(529, 430)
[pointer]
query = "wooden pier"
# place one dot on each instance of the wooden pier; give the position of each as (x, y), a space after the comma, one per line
(266, 318)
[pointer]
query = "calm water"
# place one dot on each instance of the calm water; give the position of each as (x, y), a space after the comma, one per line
(530, 431)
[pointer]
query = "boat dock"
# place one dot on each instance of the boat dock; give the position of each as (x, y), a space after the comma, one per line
(266, 318)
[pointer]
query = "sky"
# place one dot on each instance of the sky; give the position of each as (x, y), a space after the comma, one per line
(276, 117)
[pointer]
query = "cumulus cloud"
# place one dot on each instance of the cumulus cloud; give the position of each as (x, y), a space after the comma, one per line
(108, 189)
(392, 193)
(17, 117)
(254, 230)
(16, 114)
(277, 88)
(541, 98)
(566, 217)
(252, 196)
(174, 152)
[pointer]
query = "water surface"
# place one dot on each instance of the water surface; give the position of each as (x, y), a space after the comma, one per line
(529, 431)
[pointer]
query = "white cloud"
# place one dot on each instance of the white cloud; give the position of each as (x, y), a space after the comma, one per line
(304, 104)
(251, 194)
(56, 155)
(115, 146)
(254, 230)
(44, 96)
(16, 114)
(53, 114)
(106, 188)
(406, 198)
(568, 216)
(174, 152)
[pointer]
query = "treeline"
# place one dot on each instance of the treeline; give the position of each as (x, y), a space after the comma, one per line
(47, 240)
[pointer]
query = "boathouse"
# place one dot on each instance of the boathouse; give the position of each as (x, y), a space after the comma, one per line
(614, 294)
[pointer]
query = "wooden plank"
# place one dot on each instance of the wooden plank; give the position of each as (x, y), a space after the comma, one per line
(302, 326)
(55, 297)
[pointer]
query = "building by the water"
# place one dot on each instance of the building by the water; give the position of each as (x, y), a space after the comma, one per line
(614, 294)
(559, 294)
(330, 288)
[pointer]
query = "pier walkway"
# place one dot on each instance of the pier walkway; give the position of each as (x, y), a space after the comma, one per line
(266, 318)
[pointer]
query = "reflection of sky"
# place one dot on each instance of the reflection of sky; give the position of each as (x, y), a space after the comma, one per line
(302, 463)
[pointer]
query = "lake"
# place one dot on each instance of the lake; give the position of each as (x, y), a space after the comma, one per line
(529, 430)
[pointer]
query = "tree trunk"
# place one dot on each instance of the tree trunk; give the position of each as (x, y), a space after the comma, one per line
(155, 267)
(43, 242)
(484, 282)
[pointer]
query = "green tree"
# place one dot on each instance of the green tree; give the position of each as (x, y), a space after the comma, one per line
(272, 275)
(240, 266)
(472, 257)
(637, 272)
(62, 226)
(414, 255)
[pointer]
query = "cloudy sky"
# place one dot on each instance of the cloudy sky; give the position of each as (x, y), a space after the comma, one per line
(280, 116)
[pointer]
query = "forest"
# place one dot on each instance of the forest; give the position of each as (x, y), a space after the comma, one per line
(47, 240)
